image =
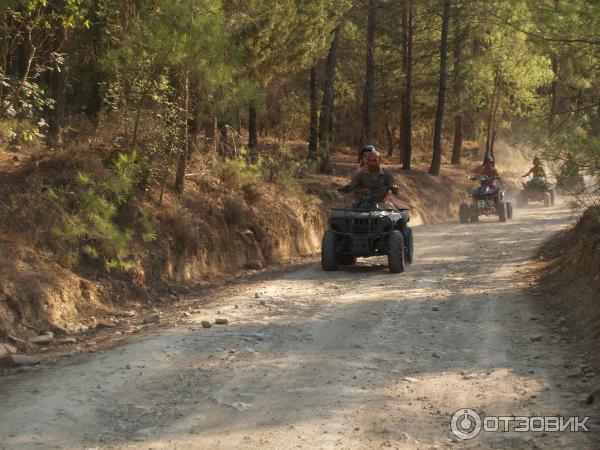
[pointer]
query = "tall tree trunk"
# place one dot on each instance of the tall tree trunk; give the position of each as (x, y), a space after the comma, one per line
(491, 118)
(458, 139)
(327, 105)
(252, 128)
(370, 74)
(554, 85)
(57, 117)
(406, 112)
(554, 92)
(436, 161)
(313, 140)
(458, 87)
(390, 139)
(183, 156)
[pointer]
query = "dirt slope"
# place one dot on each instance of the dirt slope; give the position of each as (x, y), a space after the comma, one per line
(213, 234)
(569, 276)
(354, 359)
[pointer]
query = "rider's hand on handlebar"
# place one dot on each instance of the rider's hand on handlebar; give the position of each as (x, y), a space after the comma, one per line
(395, 189)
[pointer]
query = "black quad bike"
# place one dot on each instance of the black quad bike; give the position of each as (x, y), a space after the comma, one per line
(484, 202)
(536, 190)
(368, 228)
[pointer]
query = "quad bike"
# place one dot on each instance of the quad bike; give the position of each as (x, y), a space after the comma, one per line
(369, 227)
(536, 190)
(484, 202)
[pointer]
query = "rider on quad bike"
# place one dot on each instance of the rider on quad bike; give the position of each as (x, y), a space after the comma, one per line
(539, 175)
(372, 226)
(372, 180)
(489, 169)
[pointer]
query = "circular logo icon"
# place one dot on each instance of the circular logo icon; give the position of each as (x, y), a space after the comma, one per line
(466, 424)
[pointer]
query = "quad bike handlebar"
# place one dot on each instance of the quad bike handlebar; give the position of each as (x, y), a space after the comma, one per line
(378, 194)
(489, 177)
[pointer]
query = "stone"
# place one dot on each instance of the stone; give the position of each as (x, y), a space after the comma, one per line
(561, 321)
(254, 265)
(256, 295)
(221, 321)
(104, 325)
(18, 360)
(576, 373)
(410, 379)
(43, 339)
(595, 395)
(67, 340)
(435, 308)
(206, 324)
(536, 337)
(7, 349)
(152, 318)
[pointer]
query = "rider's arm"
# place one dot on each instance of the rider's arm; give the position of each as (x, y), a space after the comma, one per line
(353, 185)
(527, 174)
(392, 184)
(388, 181)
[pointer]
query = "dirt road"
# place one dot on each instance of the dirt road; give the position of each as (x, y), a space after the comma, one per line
(354, 359)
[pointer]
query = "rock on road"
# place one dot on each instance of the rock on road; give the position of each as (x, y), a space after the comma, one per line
(357, 359)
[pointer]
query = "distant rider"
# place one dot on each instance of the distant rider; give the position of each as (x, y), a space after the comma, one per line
(538, 172)
(489, 169)
(372, 179)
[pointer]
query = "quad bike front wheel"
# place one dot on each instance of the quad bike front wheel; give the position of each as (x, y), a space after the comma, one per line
(329, 256)
(463, 213)
(396, 260)
(551, 198)
(547, 199)
(501, 210)
(509, 210)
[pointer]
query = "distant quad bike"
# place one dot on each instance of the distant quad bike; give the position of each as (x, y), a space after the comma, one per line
(536, 190)
(368, 228)
(484, 202)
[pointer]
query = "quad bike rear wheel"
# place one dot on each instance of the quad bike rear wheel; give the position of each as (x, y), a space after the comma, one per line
(408, 246)
(509, 210)
(547, 199)
(463, 213)
(501, 210)
(396, 260)
(329, 256)
(551, 198)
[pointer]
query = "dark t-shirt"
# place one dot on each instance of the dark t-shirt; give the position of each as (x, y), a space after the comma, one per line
(366, 184)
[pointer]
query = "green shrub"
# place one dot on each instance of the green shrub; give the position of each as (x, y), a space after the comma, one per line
(234, 212)
(91, 205)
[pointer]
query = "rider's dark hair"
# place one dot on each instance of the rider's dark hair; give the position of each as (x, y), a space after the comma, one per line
(366, 149)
